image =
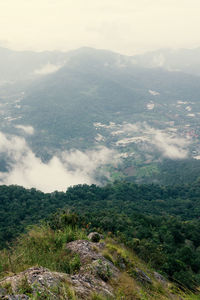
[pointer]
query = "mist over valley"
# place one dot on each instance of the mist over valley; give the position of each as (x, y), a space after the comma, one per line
(87, 104)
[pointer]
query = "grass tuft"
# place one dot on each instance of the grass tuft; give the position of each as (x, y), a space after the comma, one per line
(42, 246)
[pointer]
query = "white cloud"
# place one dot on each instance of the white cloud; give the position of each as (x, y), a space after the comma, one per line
(135, 139)
(129, 128)
(167, 141)
(170, 146)
(13, 146)
(154, 93)
(69, 168)
(158, 60)
(47, 69)
(26, 129)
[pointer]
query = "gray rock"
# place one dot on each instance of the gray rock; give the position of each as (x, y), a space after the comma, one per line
(85, 284)
(160, 278)
(90, 256)
(142, 276)
(93, 277)
(94, 237)
(95, 271)
(101, 246)
(39, 279)
(87, 250)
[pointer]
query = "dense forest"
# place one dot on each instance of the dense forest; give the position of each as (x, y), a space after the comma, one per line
(164, 172)
(161, 223)
(178, 171)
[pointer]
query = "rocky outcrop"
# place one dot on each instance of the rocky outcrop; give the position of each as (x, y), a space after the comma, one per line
(95, 269)
(93, 276)
(97, 275)
(87, 250)
(35, 277)
(33, 280)
(86, 284)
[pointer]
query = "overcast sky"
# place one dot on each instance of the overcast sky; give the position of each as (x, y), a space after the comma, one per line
(125, 26)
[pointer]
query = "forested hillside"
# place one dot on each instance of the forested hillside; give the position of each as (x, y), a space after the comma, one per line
(161, 223)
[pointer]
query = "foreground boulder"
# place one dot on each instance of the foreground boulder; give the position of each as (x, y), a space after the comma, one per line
(94, 237)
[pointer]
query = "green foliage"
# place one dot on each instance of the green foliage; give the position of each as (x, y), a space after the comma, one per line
(7, 286)
(24, 287)
(119, 256)
(180, 172)
(100, 297)
(108, 256)
(159, 222)
(103, 270)
(63, 218)
(192, 297)
(63, 291)
(44, 247)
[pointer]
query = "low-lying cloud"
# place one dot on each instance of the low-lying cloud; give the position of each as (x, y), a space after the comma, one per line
(27, 129)
(166, 141)
(63, 170)
(47, 69)
(170, 146)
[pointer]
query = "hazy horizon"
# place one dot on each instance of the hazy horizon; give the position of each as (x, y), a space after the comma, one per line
(126, 27)
(147, 51)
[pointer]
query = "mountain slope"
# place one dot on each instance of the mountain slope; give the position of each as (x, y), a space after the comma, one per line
(79, 267)
(99, 86)
(23, 65)
(179, 60)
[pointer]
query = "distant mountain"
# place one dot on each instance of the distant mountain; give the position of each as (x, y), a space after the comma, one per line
(180, 60)
(100, 86)
(23, 65)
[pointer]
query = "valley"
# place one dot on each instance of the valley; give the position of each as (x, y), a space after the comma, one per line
(102, 99)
